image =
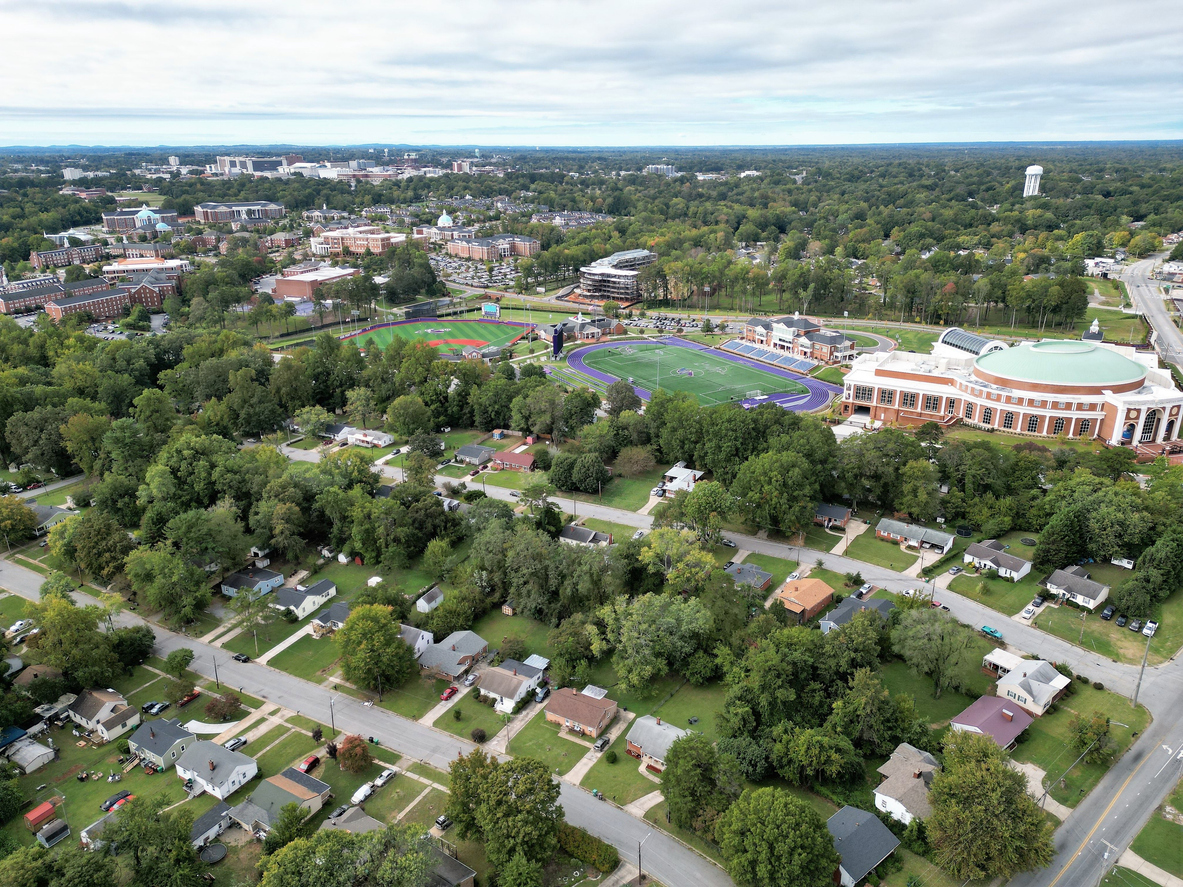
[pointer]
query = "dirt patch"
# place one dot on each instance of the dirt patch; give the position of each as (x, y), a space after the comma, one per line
(1170, 814)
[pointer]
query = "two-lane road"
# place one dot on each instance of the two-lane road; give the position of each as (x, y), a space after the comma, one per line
(1147, 297)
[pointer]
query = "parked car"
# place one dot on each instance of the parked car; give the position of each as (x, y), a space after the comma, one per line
(1150, 629)
(793, 577)
(863, 591)
(514, 494)
(189, 698)
(728, 565)
(340, 811)
(727, 543)
(1108, 612)
(241, 657)
(1135, 625)
(234, 744)
(443, 823)
(158, 708)
(601, 743)
(1122, 620)
(449, 693)
(474, 472)
(362, 793)
(122, 801)
(1028, 611)
(991, 632)
(471, 679)
(309, 764)
(113, 800)
(953, 571)
(1039, 601)
(640, 534)
(384, 777)
(147, 707)
(20, 625)
(35, 485)
(542, 693)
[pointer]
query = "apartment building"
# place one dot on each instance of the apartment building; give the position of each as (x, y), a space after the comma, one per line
(615, 277)
(490, 249)
(18, 301)
(212, 212)
(355, 241)
(124, 221)
(70, 255)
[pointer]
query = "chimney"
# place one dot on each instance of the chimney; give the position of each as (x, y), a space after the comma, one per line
(453, 648)
(1024, 674)
(515, 672)
(1009, 715)
(916, 775)
(211, 766)
(151, 733)
(659, 722)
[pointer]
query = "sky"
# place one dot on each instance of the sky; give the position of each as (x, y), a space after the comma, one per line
(587, 72)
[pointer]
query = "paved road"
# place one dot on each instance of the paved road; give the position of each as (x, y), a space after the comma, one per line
(1148, 299)
(50, 487)
(664, 858)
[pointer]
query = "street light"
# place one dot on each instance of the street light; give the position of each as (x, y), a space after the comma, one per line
(332, 717)
(640, 844)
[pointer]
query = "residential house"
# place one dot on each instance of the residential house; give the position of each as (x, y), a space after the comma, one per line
(509, 683)
(89, 836)
(914, 535)
(29, 756)
(454, 656)
(368, 438)
(104, 712)
(846, 611)
(328, 621)
(215, 769)
(475, 454)
(431, 600)
(255, 580)
(749, 574)
(573, 534)
(1073, 584)
(514, 461)
(831, 515)
(261, 810)
(161, 742)
(1035, 685)
(861, 841)
(302, 601)
(903, 794)
(354, 821)
(991, 555)
(586, 713)
(209, 825)
(679, 478)
(25, 680)
(47, 516)
(1002, 721)
(805, 598)
(649, 740)
(447, 871)
(415, 638)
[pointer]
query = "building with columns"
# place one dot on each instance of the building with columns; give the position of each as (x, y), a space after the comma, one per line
(1080, 389)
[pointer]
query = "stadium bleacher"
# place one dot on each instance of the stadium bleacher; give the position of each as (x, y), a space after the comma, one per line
(797, 364)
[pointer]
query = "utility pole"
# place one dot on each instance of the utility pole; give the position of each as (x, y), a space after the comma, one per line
(641, 871)
(1141, 672)
(332, 716)
(216, 681)
(1080, 640)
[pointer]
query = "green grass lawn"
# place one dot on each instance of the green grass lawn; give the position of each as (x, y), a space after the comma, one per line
(833, 375)
(309, 658)
(1016, 547)
(12, 608)
(1123, 877)
(836, 581)
(425, 812)
(453, 471)
(620, 532)
(348, 578)
(657, 815)
(153, 692)
(640, 702)
(286, 753)
(917, 867)
(880, 552)
(255, 644)
(58, 496)
(689, 702)
(439, 777)
(898, 678)
(473, 715)
(543, 741)
(1112, 641)
(390, 800)
(415, 698)
(1046, 743)
(495, 626)
(1161, 841)
(778, 567)
(261, 743)
(129, 683)
(620, 781)
(909, 340)
(1002, 595)
(818, 538)
(627, 493)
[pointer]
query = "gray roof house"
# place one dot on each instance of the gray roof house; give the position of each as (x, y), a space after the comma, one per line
(215, 769)
(104, 711)
(447, 871)
(257, 580)
(649, 739)
(209, 825)
(271, 795)
(415, 638)
(573, 534)
(845, 611)
(991, 555)
(509, 683)
(454, 655)
(430, 601)
(161, 742)
(862, 842)
(749, 574)
(914, 535)
(1073, 584)
(355, 821)
(304, 601)
(474, 454)
(47, 516)
(330, 619)
(903, 794)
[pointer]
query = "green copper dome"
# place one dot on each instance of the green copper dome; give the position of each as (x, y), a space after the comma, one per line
(1066, 362)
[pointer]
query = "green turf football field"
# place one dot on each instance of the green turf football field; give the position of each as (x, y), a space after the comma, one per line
(714, 380)
(445, 334)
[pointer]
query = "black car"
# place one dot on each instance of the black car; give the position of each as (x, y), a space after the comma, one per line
(1039, 601)
(443, 823)
(241, 657)
(339, 811)
(1122, 620)
(113, 800)
(1108, 612)
(1136, 625)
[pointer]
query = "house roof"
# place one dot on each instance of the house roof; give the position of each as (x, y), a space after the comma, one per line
(118, 716)
(251, 578)
(435, 595)
(46, 513)
(475, 451)
(1075, 583)
(499, 682)
(1037, 679)
(26, 753)
(318, 589)
(301, 784)
(522, 460)
(523, 668)
(861, 840)
(446, 655)
(583, 535)
(748, 574)
(37, 672)
(208, 820)
(802, 595)
(994, 553)
(446, 871)
(653, 736)
(355, 821)
(572, 705)
(90, 702)
(903, 784)
(833, 512)
(157, 737)
(914, 532)
(411, 635)
(197, 757)
(845, 611)
(338, 611)
(986, 714)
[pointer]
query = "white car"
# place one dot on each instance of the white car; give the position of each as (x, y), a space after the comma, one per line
(909, 592)
(1150, 629)
(1028, 612)
(20, 625)
(362, 793)
(639, 534)
(793, 577)
(384, 777)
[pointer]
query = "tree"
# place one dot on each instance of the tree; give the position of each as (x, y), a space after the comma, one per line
(805, 755)
(777, 491)
(920, 495)
(179, 590)
(436, 557)
(520, 872)
(408, 415)
(933, 643)
(426, 444)
(650, 636)
(420, 470)
(70, 640)
(100, 544)
(698, 783)
(157, 843)
(373, 655)
(359, 404)
(621, 396)
(12, 800)
(132, 645)
(770, 838)
(1090, 735)
(177, 661)
(75, 867)
(635, 461)
(25, 867)
(17, 520)
(83, 436)
(705, 508)
(353, 754)
(224, 707)
(588, 473)
(288, 826)
(393, 857)
(679, 558)
(178, 690)
(984, 824)
(313, 421)
(255, 615)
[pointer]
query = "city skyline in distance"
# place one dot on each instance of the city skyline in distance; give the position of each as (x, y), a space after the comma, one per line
(558, 75)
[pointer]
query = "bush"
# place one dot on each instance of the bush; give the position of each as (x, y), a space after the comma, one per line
(122, 747)
(478, 735)
(610, 757)
(289, 616)
(457, 714)
(587, 848)
(1082, 679)
(223, 707)
(542, 460)
(1097, 685)
(353, 756)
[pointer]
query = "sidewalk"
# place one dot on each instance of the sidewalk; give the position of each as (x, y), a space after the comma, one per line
(575, 774)
(1035, 777)
(441, 706)
(854, 529)
(501, 740)
(283, 645)
(643, 805)
(1134, 862)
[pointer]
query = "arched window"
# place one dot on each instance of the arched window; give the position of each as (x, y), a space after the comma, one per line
(1085, 425)
(988, 416)
(1058, 427)
(1008, 421)
(1032, 424)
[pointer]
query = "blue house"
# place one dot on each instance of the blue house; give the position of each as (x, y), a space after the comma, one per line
(255, 580)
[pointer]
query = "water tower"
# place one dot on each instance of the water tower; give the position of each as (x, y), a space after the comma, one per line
(1031, 186)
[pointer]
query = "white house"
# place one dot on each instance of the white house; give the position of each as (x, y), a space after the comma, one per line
(509, 683)
(679, 477)
(329, 620)
(903, 795)
(370, 439)
(430, 601)
(47, 516)
(1073, 584)
(914, 535)
(215, 769)
(302, 601)
(1035, 685)
(416, 639)
(991, 555)
(161, 741)
(104, 712)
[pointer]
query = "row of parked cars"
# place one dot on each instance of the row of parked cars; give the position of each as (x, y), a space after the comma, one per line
(1132, 624)
(365, 791)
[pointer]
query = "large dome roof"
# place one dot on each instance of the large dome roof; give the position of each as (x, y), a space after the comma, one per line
(445, 221)
(1067, 362)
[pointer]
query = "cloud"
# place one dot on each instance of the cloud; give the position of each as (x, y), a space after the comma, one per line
(607, 72)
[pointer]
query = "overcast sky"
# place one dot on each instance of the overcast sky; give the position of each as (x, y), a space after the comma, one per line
(588, 72)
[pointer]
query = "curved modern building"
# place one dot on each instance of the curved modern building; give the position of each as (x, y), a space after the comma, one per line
(1055, 387)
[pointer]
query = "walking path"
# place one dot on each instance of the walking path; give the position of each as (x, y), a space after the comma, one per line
(283, 645)
(1136, 863)
(583, 765)
(1035, 777)
(500, 742)
(442, 706)
(644, 804)
(853, 529)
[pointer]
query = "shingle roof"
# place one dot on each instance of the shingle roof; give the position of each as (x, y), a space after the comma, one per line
(654, 737)
(499, 682)
(993, 552)
(208, 820)
(845, 611)
(833, 512)
(197, 757)
(914, 532)
(571, 704)
(157, 737)
(902, 783)
(861, 840)
(986, 714)
(90, 702)
(355, 821)
(1039, 680)
(1076, 584)
(337, 612)
(446, 871)
(748, 574)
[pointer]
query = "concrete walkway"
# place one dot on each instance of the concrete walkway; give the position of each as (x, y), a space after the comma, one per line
(644, 804)
(441, 706)
(1134, 862)
(283, 645)
(575, 774)
(854, 528)
(1035, 777)
(500, 741)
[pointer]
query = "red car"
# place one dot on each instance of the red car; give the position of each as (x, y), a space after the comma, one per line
(188, 699)
(309, 764)
(449, 693)
(121, 802)
(472, 473)
(35, 485)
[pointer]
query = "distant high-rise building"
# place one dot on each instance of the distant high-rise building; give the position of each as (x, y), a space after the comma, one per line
(1031, 186)
(661, 169)
(174, 160)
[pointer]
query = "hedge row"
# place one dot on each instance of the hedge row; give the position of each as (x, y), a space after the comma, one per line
(587, 848)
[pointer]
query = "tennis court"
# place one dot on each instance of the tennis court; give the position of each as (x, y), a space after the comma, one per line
(711, 376)
(447, 334)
